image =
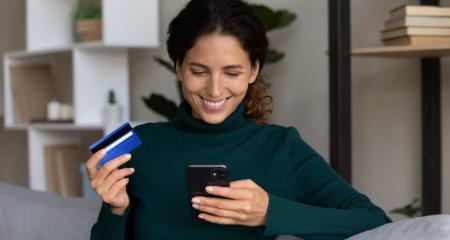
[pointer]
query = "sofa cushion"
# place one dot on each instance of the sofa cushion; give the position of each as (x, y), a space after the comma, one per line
(26, 214)
(436, 227)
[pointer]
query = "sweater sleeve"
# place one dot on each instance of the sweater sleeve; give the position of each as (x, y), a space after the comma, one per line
(326, 207)
(110, 226)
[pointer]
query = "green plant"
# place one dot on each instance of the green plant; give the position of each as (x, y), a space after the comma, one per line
(410, 210)
(271, 19)
(86, 9)
(111, 97)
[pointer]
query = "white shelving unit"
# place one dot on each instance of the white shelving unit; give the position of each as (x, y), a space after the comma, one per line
(83, 72)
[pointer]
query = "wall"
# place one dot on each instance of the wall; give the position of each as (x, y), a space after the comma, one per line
(13, 164)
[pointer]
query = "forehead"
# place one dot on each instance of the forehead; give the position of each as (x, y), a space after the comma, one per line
(215, 49)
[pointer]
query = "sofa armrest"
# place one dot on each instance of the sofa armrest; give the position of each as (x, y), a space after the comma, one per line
(436, 227)
(28, 214)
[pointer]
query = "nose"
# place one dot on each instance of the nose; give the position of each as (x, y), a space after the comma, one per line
(215, 87)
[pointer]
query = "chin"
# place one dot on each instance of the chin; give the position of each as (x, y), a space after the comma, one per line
(208, 118)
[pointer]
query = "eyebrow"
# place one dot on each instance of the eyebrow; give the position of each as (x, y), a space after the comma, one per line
(226, 67)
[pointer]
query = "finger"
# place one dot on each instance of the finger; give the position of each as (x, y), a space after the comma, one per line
(91, 164)
(111, 166)
(232, 193)
(221, 212)
(244, 183)
(115, 176)
(221, 203)
(116, 188)
(216, 219)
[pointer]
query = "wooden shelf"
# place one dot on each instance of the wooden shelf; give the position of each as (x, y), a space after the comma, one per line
(403, 51)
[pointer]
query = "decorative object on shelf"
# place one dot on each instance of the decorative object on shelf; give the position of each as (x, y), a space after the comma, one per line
(410, 210)
(58, 112)
(66, 112)
(112, 113)
(53, 110)
(417, 25)
(87, 21)
(271, 19)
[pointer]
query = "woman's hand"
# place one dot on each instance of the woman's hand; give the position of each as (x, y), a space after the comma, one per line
(109, 182)
(246, 204)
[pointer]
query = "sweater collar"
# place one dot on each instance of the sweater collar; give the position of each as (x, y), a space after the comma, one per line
(188, 123)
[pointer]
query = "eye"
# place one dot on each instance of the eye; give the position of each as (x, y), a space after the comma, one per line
(232, 74)
(198, 73)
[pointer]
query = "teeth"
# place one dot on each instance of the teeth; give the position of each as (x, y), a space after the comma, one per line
(214, 104)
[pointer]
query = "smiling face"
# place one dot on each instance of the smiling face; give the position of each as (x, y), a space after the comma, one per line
(215, 75)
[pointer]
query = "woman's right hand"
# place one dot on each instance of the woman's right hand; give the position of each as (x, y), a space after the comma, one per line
(109, 182)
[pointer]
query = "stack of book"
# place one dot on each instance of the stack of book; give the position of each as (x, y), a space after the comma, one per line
(417, 25)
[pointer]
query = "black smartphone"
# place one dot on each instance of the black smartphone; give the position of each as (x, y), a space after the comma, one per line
(200, 176)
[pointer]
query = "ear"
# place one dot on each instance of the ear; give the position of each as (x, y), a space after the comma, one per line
(178, 71)
(255, 72)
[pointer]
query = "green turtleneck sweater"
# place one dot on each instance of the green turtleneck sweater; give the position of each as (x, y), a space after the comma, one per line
(306, 197)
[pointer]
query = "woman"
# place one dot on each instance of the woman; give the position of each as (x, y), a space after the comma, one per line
(281, 186)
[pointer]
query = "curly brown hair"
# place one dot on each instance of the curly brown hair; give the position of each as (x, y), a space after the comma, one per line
(258, 104)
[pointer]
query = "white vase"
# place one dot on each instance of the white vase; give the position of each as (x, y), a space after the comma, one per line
(112, 117)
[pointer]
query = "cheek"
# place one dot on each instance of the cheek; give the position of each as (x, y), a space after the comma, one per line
(192, 85)
(238, 87)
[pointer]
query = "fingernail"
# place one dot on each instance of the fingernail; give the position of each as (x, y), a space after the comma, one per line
(201, 216)
(128, 156)
(196, 200)
(194, 205)
(127, 180)
(209, 189)
(132, 170)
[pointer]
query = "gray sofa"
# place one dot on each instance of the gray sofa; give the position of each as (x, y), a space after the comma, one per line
(35, 215)
(32, 215)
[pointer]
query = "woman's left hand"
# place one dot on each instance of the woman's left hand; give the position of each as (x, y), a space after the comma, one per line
(245, 203)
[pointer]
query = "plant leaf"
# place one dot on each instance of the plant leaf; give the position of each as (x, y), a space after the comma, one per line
(162, 105)
(273, 56)
(409, 210)
(273, 19)
(165, 64)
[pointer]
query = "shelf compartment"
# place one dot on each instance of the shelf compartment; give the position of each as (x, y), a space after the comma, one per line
(57, 66)
(403, 51)
(40, 138)
(83, 77)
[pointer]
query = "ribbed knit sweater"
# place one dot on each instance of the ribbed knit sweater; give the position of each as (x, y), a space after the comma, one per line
(306, 197)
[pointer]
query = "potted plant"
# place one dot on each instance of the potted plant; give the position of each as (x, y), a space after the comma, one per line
(87, 21)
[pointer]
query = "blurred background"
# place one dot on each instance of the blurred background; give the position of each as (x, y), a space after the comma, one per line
(386, 92)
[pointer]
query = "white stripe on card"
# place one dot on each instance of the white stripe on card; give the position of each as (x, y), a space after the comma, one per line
(118, 141)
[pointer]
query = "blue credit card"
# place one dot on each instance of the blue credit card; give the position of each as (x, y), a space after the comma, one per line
(120, 141)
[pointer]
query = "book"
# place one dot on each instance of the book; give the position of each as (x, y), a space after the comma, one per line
(417, 41)
(62, 164)
(32, 88)
(419, 10)
(417, 21)
(415, 31)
